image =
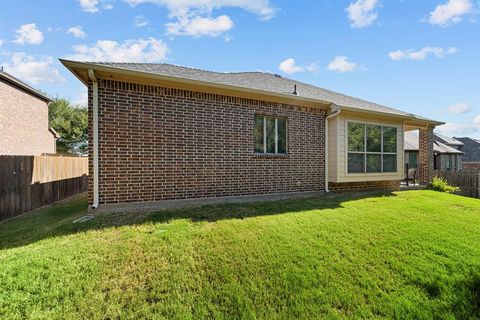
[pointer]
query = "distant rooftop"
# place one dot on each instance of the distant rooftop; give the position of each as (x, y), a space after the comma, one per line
(22, 85)
(449, 140)
(411, 143)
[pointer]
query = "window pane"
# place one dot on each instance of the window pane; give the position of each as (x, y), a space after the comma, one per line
(356, 136)
(389, 163)
(270, 135)
(412, 159)
(258, 134)
(374, 138)
(282, 135)
(356, 163)
(389, 139)
(374, 163)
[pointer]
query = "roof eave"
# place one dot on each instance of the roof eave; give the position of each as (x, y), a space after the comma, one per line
(25, 87)
(70, 65)
(399, 116)
(55, 134)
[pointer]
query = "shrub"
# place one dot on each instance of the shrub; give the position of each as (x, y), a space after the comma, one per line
(440, 184)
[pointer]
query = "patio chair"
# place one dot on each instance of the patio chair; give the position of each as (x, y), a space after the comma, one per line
(411, 176)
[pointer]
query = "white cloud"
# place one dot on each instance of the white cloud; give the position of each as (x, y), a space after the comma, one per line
(199, 26)
(135, 50)
(184, 8)
(450, 12)
(194, 18)
(459, 129)
(422, 53)
(82, 98)
(92, 6)
(89, 5)
(476, 120)
(33, 69)
(361, 13)
(289, 66)
(77, 32)
(459, 108)
(140, 21)
(28, 33)
(341, 64)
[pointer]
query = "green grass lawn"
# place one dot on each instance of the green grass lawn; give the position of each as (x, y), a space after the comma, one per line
(412, 254)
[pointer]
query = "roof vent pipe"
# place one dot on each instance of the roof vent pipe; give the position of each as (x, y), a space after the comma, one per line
(295, 90)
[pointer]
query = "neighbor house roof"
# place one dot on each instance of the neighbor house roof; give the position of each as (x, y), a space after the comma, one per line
(470, 149)
(443, 148)
(448, 140)
(55, 134)
(257, 81)
(22, 85)
(411, 144)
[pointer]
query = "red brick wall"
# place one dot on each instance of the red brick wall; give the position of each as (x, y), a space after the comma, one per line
(425, 155)
(365, 185)
(159, 143)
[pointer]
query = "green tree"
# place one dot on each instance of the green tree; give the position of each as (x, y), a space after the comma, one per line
(71, 123)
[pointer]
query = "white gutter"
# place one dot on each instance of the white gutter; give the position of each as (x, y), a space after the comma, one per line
(336, 111)
(91, 75)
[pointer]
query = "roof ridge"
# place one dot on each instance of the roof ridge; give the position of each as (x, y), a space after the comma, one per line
(19, 83)
(178, 66)
(256, 80)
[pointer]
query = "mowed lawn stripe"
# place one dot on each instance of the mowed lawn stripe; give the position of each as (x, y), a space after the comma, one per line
(412, 254)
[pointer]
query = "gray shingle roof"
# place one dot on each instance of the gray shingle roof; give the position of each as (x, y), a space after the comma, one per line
(411, 143)
(448, 140)
(257, 81)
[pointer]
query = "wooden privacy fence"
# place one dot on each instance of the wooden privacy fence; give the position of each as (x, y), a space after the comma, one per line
(30, 182)
(468, 182)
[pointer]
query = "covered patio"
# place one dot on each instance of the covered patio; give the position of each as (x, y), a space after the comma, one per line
(423, 171)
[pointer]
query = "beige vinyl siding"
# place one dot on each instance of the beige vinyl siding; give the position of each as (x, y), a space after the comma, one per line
(341, 174)
(332, 149)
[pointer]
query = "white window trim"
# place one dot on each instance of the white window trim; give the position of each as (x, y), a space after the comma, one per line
(276, 135)
(365, 173)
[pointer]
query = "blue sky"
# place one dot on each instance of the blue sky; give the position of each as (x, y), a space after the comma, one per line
(421, 56)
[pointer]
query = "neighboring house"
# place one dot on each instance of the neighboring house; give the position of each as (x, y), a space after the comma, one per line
(470, 149)
(161, 132)
(24, 119)
(447, 156)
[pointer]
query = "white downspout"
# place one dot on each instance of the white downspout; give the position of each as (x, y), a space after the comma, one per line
(91, 75)
(336, 111)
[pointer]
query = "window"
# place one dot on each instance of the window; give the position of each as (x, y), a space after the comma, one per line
(270, 135)
(371, 148)
(412, 160)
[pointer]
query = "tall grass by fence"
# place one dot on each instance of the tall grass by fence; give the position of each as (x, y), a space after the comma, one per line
(30, 182)
(468, 182)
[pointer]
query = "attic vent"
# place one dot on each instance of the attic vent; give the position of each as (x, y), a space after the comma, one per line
(277, 75)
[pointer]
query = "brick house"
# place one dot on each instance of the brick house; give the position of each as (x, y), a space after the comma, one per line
(24, 119)
(162, 133)
(447, 154)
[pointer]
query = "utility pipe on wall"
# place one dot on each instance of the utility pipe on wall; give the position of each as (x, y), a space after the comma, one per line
(335, 112)
(91, 75)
